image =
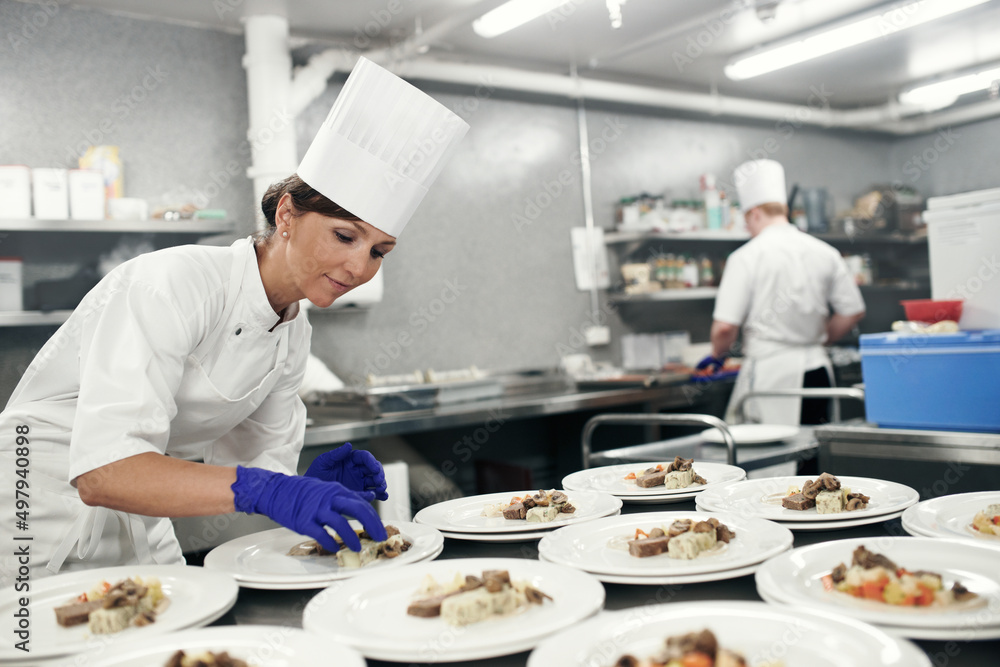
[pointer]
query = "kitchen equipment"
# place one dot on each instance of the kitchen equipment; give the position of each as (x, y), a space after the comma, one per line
(932, 381)
(815, 202)
(11, 284)
(15, 191)
(963, 234)
(931, 311)
(49, 193)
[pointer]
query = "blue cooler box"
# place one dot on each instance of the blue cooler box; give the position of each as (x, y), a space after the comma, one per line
(948, 382)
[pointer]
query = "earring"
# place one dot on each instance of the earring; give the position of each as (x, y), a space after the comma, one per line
(285, 234)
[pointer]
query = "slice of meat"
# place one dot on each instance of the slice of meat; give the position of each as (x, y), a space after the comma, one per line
(426, 607)
(961, 593)
(528, 503)
(839, 573)
(723, 534)
(679, 526)
(650, 480)
(650, 546)
(75, 613)
(515, 511)
(869, 559)
(680, 464)
(798, 501)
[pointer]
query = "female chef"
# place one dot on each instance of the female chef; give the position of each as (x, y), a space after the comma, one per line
(197, 352)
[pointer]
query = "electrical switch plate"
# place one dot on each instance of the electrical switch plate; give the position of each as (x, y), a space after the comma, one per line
(597, 336)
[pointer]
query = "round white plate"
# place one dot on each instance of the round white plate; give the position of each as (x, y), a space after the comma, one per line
(502, 537)
(759, 631)
(827, 525)
(611, 479)
(925, 634)
(752, 434)
(369, 613)
(261, 560)
(762, 498)
(796, 578)
(600, 546)
(951, 516)
(197, 597)
(462, 515)
(673, 579)
(260, 645)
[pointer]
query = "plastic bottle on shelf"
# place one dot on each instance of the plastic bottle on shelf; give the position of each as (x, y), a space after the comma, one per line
(712, 202)
(690, 272)
(707, 277)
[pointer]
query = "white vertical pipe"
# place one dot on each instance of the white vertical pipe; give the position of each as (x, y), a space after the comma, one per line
(271, 134)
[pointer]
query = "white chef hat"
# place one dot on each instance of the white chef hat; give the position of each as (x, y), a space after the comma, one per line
(381, 147)
(760, 182)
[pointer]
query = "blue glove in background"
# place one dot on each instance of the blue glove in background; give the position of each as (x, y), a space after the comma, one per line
(356, 469)
(714, 363)
(306, 505)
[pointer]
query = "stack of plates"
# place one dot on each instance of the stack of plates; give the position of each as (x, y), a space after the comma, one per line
(761, 633)
(951, 517)
(795, 578)
(369, 613)
(261, 560)
(197, 597)
(762, 498)
(462, 518)
(600, 548)
(611, 479)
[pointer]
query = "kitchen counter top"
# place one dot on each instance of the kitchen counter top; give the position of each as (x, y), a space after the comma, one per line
(286, 607)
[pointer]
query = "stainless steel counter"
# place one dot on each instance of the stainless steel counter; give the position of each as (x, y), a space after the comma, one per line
(286, 607)
(327, 430)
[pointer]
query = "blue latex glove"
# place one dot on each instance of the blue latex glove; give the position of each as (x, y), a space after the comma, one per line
(356, 469)
(713, 363)
(306, 505)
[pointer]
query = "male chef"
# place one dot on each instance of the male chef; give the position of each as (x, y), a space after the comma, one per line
(791, 293)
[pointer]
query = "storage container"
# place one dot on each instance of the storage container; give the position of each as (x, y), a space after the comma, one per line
(948, 382)
(15, 191)
(50, 193)
(86, 194)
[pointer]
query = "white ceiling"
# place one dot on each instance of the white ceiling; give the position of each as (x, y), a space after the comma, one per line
(670, 44)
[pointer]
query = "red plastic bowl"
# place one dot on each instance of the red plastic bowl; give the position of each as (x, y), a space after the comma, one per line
(931, 311)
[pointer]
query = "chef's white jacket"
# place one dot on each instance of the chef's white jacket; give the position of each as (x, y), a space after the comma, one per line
(780, 286)
(176, 352)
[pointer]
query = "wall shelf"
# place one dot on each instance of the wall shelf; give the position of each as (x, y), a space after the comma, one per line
(33, 318)
(688, 294)
(611, 238)
(155, 226)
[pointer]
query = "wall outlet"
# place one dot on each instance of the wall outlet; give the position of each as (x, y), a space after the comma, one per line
(597, 336)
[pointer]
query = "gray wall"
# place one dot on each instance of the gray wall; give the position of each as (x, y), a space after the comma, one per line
(953, 159)
(483, 274)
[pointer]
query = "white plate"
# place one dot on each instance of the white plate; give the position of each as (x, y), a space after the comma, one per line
(611, 479)
(951, 516)
(826, 525)
(796, 578)
(260, 645)
(197, 597)
(502, 537)
(462, 515)
(589, 547)
(672, 579)
(762, 498)
(760, 632)
(752, 434)
(261, 560)
(924, 634)
(369, 613)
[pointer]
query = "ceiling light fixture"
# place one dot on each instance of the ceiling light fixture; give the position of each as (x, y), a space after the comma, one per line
(513, 14)
(843, 35)
(941, 94)
(615, 12)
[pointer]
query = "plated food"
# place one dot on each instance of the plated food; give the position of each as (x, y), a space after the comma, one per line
(825, 494)
(873, 576)
(682, 539)
(541, 507)
(474, 598)
(204, 659)
(619, 480)
(108, 608)
(371, 550)
(678, 474)
(694, 649)
(987, 522)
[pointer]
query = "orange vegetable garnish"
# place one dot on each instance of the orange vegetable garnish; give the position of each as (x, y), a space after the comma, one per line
(926, 596)
(631, 475)
(659, 467)
(638, 532)
(996, 520)
(697, 659)
(827, 582)
(82, 597)
(872, 590)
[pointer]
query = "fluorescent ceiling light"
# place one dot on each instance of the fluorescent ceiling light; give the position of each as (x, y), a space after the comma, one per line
(850, 33)
(512, 14)
(944, 93)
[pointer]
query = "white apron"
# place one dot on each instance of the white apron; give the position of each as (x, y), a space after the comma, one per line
(774, 365)
(70, 535)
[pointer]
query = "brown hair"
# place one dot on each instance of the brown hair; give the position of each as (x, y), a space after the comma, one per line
(773, 208)
(305, 199)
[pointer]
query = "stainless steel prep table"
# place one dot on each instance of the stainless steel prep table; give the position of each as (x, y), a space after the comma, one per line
(258, 607)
